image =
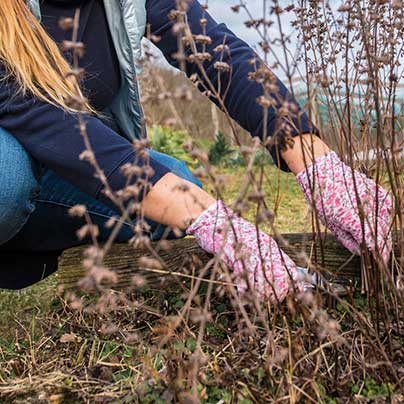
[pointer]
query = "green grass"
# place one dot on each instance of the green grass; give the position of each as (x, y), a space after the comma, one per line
(50, 353)
(282, 196)
(32, 322)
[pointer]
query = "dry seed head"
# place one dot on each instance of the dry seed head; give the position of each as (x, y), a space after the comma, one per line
(265, 216)
(129, 169)
(253, 23)
(77, 211)
(199, 57)
(141, 144)
(88, 230)
(221, 48)
(93, 252)
(164, 245)
(200, 172)
(77, 47)
(203, 39)
(222, 66)
(155, 38)
(179, 28)
(277, 10)
(111, 222)
(188, 145)
(256, 196)
(183, 5)
(265, 46)
(148, 171)
(183, 93)
(175, 14)
(170, 122)
(101, 274)
(87, 155)
(109, 329)
(66, 23)
(265, 102)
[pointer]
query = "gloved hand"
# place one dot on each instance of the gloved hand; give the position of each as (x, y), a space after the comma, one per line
(269, 271)
(336, 203)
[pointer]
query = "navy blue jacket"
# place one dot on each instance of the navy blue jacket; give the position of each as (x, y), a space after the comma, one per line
(51, 136)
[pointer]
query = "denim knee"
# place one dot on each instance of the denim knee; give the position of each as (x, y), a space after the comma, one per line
(18, 186)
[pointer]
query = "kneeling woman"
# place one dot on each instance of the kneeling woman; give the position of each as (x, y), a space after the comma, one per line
(40, 143)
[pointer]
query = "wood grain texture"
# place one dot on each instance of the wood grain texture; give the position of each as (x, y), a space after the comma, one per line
(185, 254)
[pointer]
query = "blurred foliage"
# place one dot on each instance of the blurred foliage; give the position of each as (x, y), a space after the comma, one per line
(222, 154)
(220, 150)
(262, 157)
(171, 142)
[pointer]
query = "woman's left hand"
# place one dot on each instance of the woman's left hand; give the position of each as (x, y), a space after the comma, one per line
(334, 189)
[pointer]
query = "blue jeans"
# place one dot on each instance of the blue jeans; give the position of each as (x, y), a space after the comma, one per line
(34, 211)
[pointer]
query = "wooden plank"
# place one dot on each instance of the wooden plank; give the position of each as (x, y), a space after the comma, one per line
(185, 253)
(123, 259)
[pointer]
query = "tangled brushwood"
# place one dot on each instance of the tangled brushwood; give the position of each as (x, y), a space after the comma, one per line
(200, 341)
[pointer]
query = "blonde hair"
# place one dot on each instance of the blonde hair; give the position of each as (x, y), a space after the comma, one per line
(33, 59)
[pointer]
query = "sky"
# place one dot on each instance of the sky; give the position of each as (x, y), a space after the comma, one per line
(221, 12)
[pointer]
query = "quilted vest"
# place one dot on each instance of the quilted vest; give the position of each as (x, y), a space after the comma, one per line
(127, 23)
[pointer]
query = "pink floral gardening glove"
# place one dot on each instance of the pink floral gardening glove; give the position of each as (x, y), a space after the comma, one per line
(220, 231)
(337, 207)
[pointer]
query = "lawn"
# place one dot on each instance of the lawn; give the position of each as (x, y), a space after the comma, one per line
(282, 195)
(51, 353)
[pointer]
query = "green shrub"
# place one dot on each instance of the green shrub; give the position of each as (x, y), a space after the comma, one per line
(262, 156)
(220, 150)
(170, 141)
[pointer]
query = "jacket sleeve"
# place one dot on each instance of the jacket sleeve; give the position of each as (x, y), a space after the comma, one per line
(239, 92)
(52, 137)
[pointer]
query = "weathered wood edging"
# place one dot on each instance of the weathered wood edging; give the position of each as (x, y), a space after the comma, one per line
(124, 259)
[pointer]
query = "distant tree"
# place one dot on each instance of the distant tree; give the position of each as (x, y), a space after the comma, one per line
(220, 150)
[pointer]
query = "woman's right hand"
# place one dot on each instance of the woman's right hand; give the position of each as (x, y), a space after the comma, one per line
(254, 256)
